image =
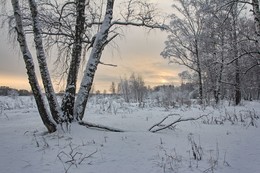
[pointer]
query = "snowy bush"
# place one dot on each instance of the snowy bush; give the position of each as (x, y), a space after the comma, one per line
(19, 102)
(245, 118)
(110, 104)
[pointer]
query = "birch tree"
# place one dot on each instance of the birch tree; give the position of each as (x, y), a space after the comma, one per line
(216, 47)
(74, 27)
(211, 38)
(70, 92)
(256, 14)
(27, 56)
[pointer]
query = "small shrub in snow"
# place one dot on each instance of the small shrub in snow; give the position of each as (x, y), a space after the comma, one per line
(2, 113)
(169, 161)
(196, 148)
(243, 117)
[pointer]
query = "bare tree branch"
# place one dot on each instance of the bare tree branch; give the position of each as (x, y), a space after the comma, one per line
(152, 26)
(112, 65)
(171, 124)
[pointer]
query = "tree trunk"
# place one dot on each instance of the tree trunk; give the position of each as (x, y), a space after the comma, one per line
(200, 88)
(46, 79)
(237, 84)
(258, 92)
(235, 52)
(256, 13)
(217, 91)
(219, 79)
(70, 92)
(94, 60)
(30, 69)
(199, 72)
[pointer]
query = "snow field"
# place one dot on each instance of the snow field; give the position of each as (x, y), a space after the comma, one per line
(228, 147)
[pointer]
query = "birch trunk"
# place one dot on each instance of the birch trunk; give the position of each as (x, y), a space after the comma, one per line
(94, 60)
(70, 92)
(256, 13)
(47, 83)
(30, 69)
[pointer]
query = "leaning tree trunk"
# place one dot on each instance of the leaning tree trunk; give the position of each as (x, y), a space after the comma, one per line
(94, 60)
(46, 79)
(30, 69)
(70, 92)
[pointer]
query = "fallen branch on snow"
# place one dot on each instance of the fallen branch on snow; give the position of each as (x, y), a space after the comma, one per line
(98, 126)
(162, 127)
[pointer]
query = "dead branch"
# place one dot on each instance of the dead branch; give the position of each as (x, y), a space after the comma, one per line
(158, 124)
(147, 25)
(98, 126)
(112, 65)
(171, 124)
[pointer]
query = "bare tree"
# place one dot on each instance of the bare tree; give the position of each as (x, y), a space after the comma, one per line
(133, 89)
(74, 27)
(184, 41)
(124, 89)
(137, 87)
(51, 126)
(51, 97)
(214, 39)
(70, 92)
(113, 88)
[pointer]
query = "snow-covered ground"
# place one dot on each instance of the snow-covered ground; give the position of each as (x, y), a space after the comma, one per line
(225, 140)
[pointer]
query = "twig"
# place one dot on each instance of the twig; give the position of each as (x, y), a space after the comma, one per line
(73, 157)
(88, 156)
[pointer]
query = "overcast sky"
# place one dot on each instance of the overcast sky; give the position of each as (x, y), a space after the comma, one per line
(139, 52)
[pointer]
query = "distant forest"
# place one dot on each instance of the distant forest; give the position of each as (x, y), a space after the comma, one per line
(7, 91)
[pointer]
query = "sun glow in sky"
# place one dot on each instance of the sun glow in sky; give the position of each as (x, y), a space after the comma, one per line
(138, 52)
(14, 81)
(164, 81)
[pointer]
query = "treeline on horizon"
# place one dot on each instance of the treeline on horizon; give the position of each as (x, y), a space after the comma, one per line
(8, 91)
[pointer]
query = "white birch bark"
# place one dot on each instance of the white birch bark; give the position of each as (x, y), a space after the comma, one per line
(256, 13)
(94, 60)
(47, 121)
(41, 57)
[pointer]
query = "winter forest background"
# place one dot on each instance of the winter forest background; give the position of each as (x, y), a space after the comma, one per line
(203, 124)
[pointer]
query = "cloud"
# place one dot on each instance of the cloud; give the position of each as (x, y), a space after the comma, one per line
(138, 52)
